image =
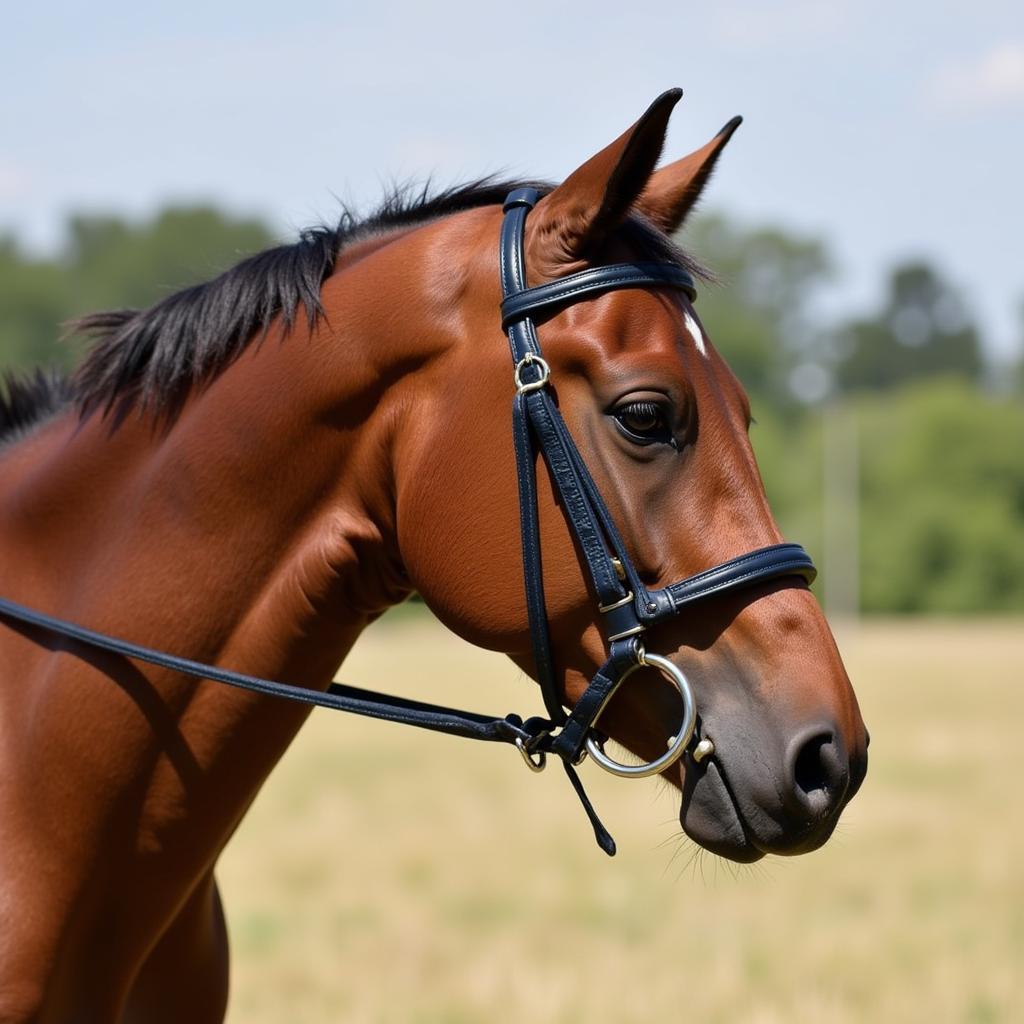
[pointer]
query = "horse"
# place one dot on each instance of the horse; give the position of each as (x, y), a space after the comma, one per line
(254, 469)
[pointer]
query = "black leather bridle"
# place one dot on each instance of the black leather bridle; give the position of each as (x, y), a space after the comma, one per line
(626, 606)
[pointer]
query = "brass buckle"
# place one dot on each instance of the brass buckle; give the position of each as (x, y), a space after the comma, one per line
(633, 630)
(529, 359)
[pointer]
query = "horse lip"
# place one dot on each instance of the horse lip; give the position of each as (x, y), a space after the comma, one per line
(732, 839)
(751, 848)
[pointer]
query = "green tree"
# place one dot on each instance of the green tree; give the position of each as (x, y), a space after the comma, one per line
(922, 330)
(941, 495)
(113, 262)
(1018, 376)
(33, 301)
(942, 500)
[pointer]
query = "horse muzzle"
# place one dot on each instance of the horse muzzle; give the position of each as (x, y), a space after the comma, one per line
(742, 806)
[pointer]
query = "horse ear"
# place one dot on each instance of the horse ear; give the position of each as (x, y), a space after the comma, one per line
(569, 222)
(673, 191)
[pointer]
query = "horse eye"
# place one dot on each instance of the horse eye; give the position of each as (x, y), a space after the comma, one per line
(644, 422)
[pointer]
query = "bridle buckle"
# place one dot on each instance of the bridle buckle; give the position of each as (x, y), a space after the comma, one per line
(524, 387)
(604, 608)
(635, 629)
(536, 760)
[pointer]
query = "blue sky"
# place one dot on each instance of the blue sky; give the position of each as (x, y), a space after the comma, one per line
(893, 129)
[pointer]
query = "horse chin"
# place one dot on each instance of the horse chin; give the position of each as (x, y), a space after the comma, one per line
(710, 817)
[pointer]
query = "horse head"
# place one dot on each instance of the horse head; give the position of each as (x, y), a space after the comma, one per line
(662, 424)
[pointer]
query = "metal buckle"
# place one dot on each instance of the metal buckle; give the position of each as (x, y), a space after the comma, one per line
(531, 385)
(602, 608)
(541, 756)
(633, 630)
(677, 744)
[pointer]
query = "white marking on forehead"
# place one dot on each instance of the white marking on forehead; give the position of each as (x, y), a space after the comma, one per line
(698, 335)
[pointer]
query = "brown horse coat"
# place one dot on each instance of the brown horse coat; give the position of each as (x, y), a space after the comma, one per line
(262, 507)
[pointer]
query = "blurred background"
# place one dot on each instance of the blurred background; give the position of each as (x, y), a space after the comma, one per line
(866, 225)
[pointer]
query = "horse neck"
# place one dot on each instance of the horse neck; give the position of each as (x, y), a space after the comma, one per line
(258, 529)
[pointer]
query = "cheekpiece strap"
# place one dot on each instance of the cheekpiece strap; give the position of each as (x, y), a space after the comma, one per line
(538, 425)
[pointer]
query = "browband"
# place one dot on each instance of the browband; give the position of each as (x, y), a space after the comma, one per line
(543, 297)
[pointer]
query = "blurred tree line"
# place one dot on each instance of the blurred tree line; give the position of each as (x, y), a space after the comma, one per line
(107, 262)
(938, 435)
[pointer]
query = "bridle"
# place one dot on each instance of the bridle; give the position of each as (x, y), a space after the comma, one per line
(627, 607)
(625, 604)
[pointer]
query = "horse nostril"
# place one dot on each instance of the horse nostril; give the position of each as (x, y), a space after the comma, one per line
(819, 771)
(810, 771)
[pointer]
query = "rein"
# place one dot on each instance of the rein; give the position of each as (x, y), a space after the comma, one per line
(626, 606)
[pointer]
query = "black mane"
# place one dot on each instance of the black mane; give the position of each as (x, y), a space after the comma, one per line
(26, 400)
(153, 359)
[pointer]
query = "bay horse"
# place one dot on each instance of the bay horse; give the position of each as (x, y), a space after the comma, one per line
(254, 469)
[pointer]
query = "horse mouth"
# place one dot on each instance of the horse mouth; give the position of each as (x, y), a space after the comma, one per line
(711, 816)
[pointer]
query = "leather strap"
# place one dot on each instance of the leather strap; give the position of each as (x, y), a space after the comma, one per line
(533, 572)
(754, 567)
(569, 742)
(338, 697)
(594, 281)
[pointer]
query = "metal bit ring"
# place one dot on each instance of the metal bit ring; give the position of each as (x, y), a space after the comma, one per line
(679, 742)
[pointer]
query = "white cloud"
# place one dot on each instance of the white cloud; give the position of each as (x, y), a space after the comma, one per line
(993, 80)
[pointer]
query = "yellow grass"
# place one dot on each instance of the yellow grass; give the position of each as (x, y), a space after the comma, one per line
(388, 875)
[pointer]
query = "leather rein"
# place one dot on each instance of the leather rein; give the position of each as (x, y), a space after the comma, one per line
(626, 606)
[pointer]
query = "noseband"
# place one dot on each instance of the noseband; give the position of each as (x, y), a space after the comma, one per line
(627, 608)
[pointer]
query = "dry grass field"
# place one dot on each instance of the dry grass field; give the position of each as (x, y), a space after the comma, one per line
(388, 875)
